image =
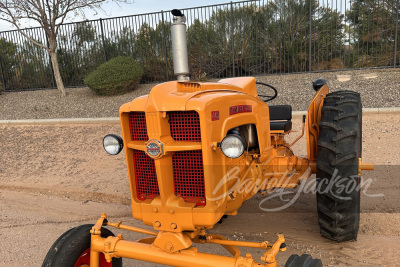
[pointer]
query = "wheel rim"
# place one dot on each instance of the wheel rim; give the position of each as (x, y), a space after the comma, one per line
(84, 260)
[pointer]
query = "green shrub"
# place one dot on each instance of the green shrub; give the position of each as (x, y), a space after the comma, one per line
(117, 76)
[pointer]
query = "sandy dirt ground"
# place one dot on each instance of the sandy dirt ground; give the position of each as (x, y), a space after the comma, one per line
(53, 178)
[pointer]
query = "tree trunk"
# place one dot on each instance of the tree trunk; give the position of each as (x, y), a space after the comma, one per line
(57, 75)
(56, 69)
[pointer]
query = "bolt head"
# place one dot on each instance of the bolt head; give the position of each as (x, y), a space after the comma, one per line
(157, 224)
(169, 247)
(174, 226)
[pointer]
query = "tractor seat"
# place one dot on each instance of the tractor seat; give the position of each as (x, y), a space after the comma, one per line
(280, 117)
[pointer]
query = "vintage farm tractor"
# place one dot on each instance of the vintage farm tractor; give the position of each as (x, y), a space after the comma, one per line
(196, 151)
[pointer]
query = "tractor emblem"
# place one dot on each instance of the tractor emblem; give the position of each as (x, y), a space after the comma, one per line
(154, 148)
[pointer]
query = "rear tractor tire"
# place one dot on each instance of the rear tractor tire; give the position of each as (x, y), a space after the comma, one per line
(72, 249)
(339, 150)
(304, 260)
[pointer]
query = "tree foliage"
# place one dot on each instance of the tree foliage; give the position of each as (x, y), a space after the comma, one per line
(281, 36)
(373, 25)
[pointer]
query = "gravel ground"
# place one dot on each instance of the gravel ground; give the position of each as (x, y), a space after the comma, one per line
(294, 89)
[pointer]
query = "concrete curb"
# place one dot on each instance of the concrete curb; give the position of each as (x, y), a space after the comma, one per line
(115, 120)
(393, 110)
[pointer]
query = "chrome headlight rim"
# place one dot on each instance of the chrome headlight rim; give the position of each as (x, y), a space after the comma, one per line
(119, 143)
(237, 136)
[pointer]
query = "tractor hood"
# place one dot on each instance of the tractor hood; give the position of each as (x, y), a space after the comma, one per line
(175, 95)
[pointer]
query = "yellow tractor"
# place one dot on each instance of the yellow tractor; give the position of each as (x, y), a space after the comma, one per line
(196, 151)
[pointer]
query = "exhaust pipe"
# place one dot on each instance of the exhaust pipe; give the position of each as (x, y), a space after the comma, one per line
(179, 46)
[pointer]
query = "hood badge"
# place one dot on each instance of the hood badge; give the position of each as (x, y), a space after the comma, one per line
(154, 148)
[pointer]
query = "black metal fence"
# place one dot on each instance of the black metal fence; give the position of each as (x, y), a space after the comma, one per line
(224, 40)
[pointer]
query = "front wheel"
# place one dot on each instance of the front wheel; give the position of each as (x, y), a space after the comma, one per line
(304, 260)
(72, 249)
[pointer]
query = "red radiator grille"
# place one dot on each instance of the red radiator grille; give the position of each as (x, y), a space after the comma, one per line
(189, 176)
(184, 125)
(137, 125)
(145, 176)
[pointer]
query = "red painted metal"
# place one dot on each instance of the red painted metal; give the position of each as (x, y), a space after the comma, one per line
(240, 109)
(138, 127)
(145, 176)
(84, 258)
(185, 125)
(215, 115)
(189, 176)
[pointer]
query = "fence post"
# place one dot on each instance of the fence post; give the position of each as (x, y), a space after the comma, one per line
(51, 64)
(165, 44)
(395, 35)
(2, 76)
(102, 39)
(233, 41)
(309, 49)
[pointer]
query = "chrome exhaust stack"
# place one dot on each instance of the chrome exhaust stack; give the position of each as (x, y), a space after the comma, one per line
(179, 46)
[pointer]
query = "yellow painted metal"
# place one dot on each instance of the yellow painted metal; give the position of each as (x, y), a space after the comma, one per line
(172, 242)
(217, 240)
(148, 249)
(313, 118)
(94, 255)
(269, 256)
(231, 248)
(186, 257)
(277, 131)
(131, 228)
(364, 166)
(95, 233)
(96, 228)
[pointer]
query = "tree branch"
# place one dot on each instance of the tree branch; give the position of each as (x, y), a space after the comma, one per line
(50, 15)
(74, 5)
(25, 35)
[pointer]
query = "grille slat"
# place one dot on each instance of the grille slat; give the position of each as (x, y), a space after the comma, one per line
(189, 176)
(138, 127)
(185, 125)
(145, 176)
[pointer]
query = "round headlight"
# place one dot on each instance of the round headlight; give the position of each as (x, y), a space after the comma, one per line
(232, 146)
(112, 144)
